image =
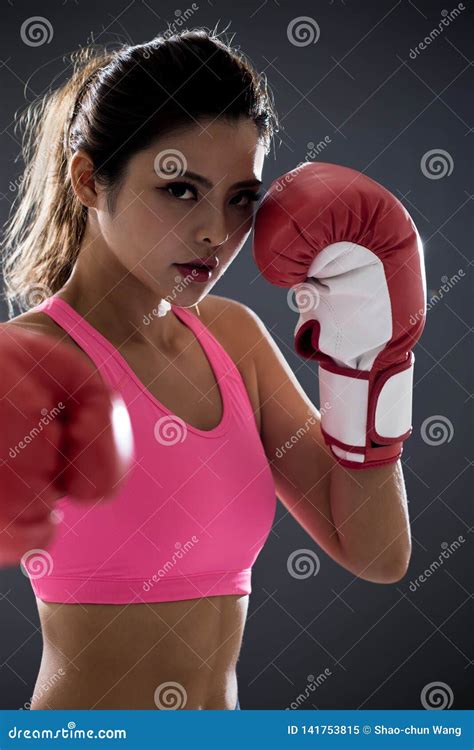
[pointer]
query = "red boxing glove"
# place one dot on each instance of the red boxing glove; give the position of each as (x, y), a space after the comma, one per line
(352, 254)
(63, 432)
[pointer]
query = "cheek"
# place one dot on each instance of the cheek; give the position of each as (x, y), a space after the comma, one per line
(144, 228)
(134, 237)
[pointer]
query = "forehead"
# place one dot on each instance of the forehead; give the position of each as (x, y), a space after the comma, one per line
(215, 149)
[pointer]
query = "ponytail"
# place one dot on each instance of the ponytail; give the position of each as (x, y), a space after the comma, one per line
(43, 235)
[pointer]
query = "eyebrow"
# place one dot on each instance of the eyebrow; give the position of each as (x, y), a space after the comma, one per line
(208, 184)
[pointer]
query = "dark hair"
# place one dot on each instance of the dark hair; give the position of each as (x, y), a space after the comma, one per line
(113, 106)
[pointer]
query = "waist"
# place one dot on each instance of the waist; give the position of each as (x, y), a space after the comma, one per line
(167, 655)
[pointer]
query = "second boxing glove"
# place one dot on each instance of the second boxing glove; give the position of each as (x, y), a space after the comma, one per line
(62, 432)
(354, 258)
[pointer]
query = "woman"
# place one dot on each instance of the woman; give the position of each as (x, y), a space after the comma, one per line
(147, 160)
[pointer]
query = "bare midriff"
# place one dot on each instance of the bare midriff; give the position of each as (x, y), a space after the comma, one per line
(161, 655)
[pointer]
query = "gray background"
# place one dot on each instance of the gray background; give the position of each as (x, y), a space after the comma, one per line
(382, 112)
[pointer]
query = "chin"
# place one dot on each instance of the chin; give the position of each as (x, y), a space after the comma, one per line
(186, 298)
(186, 293)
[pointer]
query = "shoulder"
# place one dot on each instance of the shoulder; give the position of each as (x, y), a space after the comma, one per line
(252, 343)
(40, 322)
(236, 322)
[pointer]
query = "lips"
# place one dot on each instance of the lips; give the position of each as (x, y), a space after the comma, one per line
(210, 264)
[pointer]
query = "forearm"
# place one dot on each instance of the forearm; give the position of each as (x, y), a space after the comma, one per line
(370, 513)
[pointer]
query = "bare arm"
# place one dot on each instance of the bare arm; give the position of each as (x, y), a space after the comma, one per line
(360, 518)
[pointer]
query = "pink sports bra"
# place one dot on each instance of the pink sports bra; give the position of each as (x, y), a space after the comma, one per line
(195, 511)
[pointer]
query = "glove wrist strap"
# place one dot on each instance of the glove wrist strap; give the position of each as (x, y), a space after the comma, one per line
(366, 415)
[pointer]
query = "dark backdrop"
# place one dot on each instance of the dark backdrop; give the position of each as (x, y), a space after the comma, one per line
(358, 84)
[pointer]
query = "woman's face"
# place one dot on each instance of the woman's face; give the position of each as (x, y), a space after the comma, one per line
(165, 216)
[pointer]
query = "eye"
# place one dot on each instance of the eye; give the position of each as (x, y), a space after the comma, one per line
(250, 195)
(179, 187)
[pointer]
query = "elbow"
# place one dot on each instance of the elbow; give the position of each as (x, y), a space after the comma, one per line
(390, 572)
(384, 570)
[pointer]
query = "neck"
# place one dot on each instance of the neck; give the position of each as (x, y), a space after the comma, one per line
(115, 302)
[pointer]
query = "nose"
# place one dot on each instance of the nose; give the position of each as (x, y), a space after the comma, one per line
(213, 230)
(209, 241)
